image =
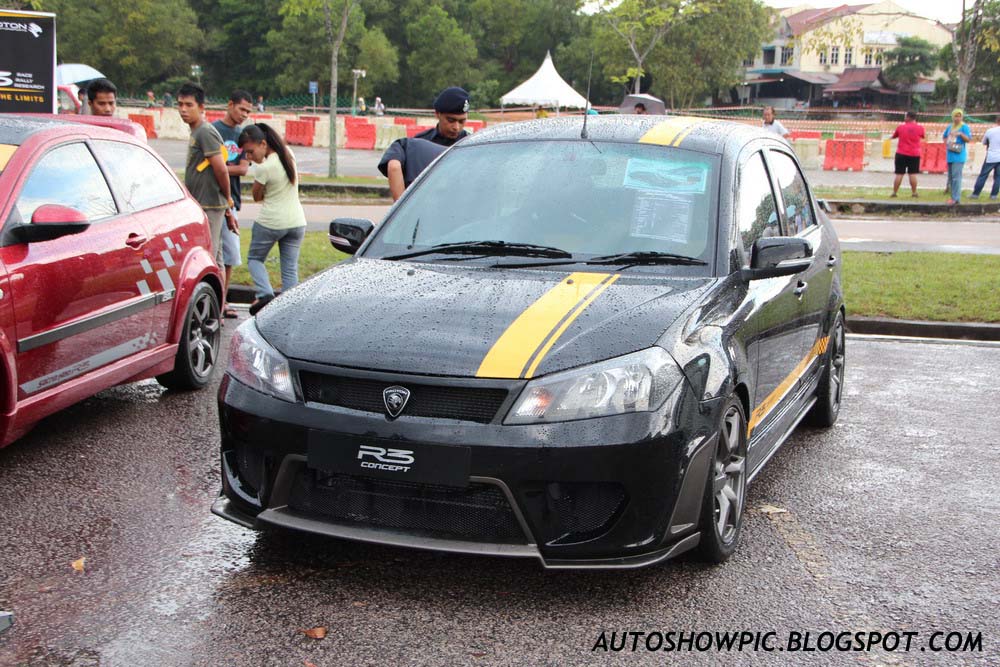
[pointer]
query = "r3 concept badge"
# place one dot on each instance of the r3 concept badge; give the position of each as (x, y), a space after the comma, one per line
(395, 398)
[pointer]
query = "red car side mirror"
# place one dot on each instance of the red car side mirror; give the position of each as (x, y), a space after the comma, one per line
(54, 214)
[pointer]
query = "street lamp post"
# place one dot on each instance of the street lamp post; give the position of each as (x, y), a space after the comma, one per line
(354, 94)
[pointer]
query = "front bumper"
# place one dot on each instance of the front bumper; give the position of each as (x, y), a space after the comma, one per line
(621, 491)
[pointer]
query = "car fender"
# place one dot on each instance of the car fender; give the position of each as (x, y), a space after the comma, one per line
(199, 266)
(8, 382)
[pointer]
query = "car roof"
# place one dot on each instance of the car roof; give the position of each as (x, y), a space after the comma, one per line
(15, 129)
(699, 134)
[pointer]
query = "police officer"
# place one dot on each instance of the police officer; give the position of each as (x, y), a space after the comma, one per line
(403, 161)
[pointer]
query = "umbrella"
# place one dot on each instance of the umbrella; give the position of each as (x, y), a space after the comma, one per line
(75, 73)
(654, 105)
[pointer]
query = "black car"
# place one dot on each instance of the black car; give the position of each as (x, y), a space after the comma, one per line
(574, 345)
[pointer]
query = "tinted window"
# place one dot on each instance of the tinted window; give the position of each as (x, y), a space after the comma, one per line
(756, 211)
(794, 193)
(587, 199)
(139, 179)
(67, 176)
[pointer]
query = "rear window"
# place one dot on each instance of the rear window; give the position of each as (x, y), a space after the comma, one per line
(586, 198)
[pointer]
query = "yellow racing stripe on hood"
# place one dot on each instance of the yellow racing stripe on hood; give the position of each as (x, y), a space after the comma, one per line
(532, 334)
(671, 131)
(6, 151)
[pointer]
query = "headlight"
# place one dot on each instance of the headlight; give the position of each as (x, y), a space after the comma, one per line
(258, 365)
(637, 382)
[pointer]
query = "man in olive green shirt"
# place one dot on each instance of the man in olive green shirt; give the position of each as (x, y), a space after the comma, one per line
(205, 174)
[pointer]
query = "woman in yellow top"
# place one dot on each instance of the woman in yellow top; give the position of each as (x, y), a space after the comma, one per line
(281, 219)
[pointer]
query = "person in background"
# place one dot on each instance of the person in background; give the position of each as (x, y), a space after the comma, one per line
(237, 111)
(362, 107)
(168, 100)
(205, 173)
(772, 124)
(956, 136)
(281, 219)
(103, 97)
(403, 161)
(910, 134)
(150, 99)
(379, 107)
(992, 162)
(260, 103)
(639, 109)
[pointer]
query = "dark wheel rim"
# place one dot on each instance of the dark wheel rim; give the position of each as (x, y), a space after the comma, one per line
(837, 359)
(203, 335)
(729, 478)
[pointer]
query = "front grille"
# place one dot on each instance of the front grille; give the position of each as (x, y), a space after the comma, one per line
(479, 512)
(475, 404)
(571, 512)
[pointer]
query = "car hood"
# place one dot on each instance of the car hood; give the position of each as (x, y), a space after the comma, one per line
(463, 321)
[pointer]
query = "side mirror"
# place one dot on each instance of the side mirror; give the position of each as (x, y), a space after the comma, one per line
(347, 234)
(50, 221)
(778, 256)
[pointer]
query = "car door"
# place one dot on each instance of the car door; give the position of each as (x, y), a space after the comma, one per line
(151, 195)
(77, 301)
(774, 344)
(815, 284)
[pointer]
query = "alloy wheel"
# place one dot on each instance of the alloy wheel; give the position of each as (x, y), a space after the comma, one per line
(729, 476)
(837, 359)
(204, 333)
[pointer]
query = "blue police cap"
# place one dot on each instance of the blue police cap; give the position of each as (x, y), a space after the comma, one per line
(452, 100)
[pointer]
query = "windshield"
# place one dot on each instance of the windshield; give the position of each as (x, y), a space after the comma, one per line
(589, 200)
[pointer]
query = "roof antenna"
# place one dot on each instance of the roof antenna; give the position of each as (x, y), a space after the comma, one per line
(590, 72)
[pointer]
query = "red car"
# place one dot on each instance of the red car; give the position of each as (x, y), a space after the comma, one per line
(106, 273)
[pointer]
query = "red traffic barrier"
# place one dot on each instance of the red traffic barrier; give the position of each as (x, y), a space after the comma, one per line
(805, 134)
(403, 120)
(212, 115)
(414, 130)
(299, 132)
(261, 116)
(850, 136)
(311, 119)
(933, 158)
(360, 136)
(146, 122)
(844, 155)
(475, 125)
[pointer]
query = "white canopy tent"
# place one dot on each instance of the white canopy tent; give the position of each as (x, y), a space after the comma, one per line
(545, 88)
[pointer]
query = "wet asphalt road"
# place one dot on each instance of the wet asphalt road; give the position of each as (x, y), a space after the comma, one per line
(891, 523)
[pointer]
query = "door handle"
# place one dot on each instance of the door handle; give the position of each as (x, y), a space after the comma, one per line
(136, 240)
(832, 261)
(801, 288)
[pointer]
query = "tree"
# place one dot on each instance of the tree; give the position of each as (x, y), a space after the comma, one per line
(979, 27)
(441, 53)
(334, 15)
(641, 24)
(912, 58)
(379, 59)
(139, 42)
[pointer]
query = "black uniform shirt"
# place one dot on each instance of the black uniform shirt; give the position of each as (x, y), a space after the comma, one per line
(433, 135)
(414, 154)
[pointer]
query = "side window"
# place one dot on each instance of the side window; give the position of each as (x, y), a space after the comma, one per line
(139, 179)
(799, 215)
(756, 211)
(68, 176)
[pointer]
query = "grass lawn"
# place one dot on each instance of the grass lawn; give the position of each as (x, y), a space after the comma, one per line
(935, 194)
(904, 285)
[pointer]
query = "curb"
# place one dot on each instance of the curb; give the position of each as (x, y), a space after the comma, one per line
(923, 329)
(858, 207)
(859, 325)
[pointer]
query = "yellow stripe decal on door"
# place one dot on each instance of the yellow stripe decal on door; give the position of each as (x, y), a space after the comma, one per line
(765, 407)
(517, 346)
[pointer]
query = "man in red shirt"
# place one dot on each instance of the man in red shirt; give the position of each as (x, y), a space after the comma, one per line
(908, 151)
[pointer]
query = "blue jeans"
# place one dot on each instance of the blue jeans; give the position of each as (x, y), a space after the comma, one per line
(955, 179)
(984, 173)
(289, 243)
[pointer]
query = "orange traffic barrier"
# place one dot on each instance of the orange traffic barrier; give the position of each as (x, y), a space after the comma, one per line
(146, 122)
(475, 125)
(312, 119)
(360, 136)
(299, 132)
(414, 130)
(844, 155)
(805, 134)
(850, 136)
(213, 115)
(261, 116)
(403, 120)
(933, 158)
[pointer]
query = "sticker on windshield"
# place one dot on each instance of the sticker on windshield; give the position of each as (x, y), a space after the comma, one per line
(662, 216)
(667, 176)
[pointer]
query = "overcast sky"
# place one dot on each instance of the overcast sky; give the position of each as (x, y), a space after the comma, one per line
(948, 11)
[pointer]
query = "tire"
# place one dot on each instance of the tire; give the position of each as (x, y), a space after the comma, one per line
(831, 381)
(198, 349)
(724, 498)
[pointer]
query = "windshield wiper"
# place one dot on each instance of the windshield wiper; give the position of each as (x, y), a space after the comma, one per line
(487, 248)
(645, 257)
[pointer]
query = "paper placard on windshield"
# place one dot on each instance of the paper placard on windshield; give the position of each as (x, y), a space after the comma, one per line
(666, 176)
(662, 216)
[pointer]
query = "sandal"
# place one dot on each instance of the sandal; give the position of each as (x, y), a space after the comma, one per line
(229, 313)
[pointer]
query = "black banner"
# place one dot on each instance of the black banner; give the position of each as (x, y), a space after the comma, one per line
(27, 62)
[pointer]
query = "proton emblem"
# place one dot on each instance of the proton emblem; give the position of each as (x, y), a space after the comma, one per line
(395, 398)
